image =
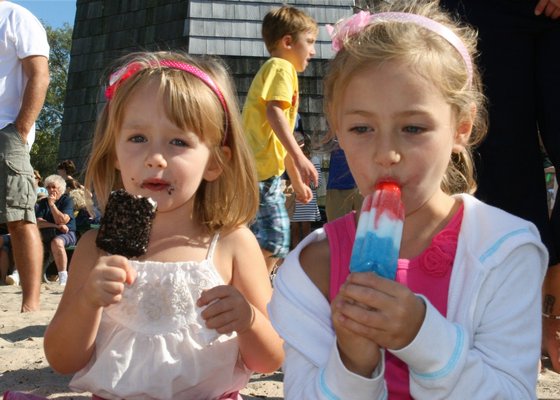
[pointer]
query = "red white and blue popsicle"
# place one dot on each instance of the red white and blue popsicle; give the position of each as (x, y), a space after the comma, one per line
(379, 232)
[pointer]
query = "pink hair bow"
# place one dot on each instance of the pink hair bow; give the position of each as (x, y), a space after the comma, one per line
(119, 77)
(348, 27)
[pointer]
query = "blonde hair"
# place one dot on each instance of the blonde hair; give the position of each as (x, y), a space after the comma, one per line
(431, 56)
(285, 20)
(227, 202)
(79, 198)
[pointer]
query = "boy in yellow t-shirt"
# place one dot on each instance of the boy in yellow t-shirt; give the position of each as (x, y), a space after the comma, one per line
(269, 117)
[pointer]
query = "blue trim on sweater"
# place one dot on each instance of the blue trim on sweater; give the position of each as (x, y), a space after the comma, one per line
(452, 361)
(499, 242)
(324, 388)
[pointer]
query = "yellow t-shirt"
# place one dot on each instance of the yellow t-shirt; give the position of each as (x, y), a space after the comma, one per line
(276, 80)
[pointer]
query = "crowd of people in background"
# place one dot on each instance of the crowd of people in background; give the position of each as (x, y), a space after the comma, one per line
(64, 210)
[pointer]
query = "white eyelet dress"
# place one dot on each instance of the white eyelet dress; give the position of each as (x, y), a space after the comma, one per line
(154, 344)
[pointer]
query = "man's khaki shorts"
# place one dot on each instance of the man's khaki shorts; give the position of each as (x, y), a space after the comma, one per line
(17, 186)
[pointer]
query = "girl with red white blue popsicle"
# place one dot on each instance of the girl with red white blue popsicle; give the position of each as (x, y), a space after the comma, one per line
(461, 317)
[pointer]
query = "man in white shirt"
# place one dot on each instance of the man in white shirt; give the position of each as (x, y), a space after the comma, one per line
(24, 79)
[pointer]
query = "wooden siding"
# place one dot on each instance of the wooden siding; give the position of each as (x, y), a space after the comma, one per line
(232, 28)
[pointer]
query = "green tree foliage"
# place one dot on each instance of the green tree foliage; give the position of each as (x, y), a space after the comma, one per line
(44, 153)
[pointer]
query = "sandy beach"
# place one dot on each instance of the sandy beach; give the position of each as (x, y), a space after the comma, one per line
(24, 368)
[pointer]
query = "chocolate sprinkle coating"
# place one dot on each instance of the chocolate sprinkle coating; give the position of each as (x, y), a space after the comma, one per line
(125, 227)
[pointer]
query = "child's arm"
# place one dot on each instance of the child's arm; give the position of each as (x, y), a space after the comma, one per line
(241, 306)
(94, 283)
(316, 365)
(489, 350)
(303, 192)
(281, 127)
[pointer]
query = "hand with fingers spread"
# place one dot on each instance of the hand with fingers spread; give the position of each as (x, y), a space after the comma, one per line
(107, 281)
(226, 310)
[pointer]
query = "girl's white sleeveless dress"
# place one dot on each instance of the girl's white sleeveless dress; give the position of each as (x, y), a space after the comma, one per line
(154, 344)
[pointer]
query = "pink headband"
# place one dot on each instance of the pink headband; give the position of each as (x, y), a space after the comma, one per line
(119, 76)
(354, 24)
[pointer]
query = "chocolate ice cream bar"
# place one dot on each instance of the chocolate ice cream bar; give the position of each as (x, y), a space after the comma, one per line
(126, 224)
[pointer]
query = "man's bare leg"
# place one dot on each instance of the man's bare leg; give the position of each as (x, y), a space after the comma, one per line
(27, 250)
(59, 254)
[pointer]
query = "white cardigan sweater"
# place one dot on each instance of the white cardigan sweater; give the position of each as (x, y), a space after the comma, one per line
(488, 347)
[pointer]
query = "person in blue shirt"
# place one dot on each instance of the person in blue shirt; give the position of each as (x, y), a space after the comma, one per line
(55, 219)
(342, 194)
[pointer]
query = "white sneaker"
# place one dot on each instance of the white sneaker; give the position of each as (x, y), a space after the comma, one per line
(62, 278)
(13, 279)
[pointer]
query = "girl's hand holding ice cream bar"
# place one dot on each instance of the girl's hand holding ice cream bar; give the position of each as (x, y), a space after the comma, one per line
(379, 232)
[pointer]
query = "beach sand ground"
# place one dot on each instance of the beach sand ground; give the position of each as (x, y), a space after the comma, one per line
(23, 366)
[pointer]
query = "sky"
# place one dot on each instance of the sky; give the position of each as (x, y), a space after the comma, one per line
(53, 13)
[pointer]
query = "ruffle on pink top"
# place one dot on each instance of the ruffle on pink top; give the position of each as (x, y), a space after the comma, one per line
(429, 273)
(437, 260)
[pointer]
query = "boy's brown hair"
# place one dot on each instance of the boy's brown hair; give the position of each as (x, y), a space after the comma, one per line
(285, 20)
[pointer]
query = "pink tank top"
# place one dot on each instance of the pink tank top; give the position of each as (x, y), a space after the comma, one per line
(428, 274)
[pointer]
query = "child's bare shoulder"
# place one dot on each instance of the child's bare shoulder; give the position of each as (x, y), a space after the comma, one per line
(315, 260)
(238, 243)
(238, 247)
(238, 235)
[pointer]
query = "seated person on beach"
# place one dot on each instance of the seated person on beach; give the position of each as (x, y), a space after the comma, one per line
(55, 218)
(72, 184)
(39, 185)
(5, 262)
(85, 212)
(66, 169)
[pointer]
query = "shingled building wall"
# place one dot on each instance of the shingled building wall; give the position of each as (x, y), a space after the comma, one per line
(107, 29)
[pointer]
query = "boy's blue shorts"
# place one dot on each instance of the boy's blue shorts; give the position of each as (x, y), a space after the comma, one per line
(272, 224)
